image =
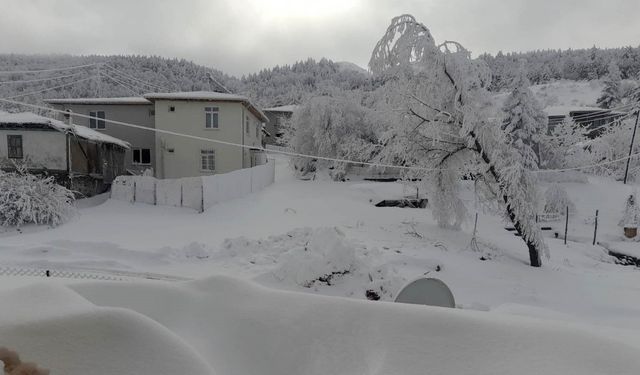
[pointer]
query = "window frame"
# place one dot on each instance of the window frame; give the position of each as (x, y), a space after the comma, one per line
(139, 149)
(14, 148)
(96, 123)
(209, 112)
(206, 164)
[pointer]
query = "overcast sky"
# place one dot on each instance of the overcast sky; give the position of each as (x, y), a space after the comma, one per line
(244, 36)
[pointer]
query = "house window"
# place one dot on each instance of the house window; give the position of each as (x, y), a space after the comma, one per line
(246, 124)
(211, 117)
(141, 156)
(14, 143)
(208, 160)
(97, 123)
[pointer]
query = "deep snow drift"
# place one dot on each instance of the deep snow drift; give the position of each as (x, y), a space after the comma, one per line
(240, 328)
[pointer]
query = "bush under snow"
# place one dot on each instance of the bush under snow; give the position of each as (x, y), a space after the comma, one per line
(557, 200)
(27, 198)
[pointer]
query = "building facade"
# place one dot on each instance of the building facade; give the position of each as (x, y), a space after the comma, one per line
(81, 159)
(139, 111)
(279, 118)
(205, 115)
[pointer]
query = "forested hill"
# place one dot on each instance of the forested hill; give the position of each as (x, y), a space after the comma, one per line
(280, 85)
(573, 64)
(135, 75)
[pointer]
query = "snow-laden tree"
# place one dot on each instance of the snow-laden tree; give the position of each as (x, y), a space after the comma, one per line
(446, 124)
(631, 215)
(525, 121)
(556, 200)
(562, 146)
(26, 198)
(334, 127)
(611, 93)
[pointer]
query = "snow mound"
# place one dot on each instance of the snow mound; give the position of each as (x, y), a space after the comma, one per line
(318, 260)
(243, 328)
(63, 332)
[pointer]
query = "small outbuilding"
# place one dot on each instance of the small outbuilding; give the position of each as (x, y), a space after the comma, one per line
(80, 158)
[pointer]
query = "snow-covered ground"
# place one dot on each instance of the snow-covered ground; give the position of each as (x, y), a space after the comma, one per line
(293, 234)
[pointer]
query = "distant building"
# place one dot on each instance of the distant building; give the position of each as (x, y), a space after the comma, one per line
(278, 118)
(135, 110)
(82, 159)
(592, 119)
(205, 114)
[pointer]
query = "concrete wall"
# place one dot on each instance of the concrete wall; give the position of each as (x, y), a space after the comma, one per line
(138, 114)
(180, 157)
(42, 149)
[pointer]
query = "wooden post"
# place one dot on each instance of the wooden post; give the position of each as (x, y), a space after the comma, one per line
(633, 138)
(134, 192)
(181, 194)
(201, 198)
(155, 193)
(595, 229)
(566, 225)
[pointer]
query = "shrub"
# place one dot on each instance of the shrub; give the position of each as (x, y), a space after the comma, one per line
(26, 198)
(557, 200)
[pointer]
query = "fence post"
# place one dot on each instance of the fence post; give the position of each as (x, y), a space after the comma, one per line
(134, 191)
(595, 229)
(155, 193)
(566, 225)
(202, 196)
(181, 195)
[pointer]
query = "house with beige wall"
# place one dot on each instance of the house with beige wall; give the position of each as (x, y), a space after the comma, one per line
(207, 115)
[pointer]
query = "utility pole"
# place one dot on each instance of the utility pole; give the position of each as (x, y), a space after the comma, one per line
(633, 138)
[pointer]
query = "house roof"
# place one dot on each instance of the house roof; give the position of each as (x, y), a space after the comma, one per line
(28, 118)
(208, 96)
(563, 110)
(130, 100)
(283, 108)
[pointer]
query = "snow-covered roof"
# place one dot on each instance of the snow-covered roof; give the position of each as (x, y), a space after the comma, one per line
(28, 118)
(283, 108)
(196, 95)
(129, 100)
(208, 96)
(566, 110)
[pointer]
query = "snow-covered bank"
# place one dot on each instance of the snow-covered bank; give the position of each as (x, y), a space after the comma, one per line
(241, 328)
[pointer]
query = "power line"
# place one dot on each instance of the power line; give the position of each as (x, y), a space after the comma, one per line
(219, 141)
(124, 75)
(168, 132)
(47, 89)
(41, 79)
(102, 74)
(47, 70)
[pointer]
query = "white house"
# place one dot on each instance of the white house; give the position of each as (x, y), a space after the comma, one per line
(209, 115)
(78, 157)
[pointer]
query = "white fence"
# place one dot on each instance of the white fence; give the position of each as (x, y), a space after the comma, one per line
(198, 193)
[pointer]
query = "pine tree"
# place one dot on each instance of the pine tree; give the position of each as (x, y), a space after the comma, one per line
(611, 94)
(525, 121)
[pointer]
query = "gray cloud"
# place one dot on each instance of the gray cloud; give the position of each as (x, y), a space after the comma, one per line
(243, 36)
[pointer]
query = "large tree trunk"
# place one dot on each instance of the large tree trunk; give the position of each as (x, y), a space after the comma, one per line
(534, 252)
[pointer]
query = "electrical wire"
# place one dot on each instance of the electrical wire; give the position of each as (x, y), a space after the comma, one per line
(102, 74)
(124, 75)
(47, 89)
(41, 79)
(47, 70)
(289, 153)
